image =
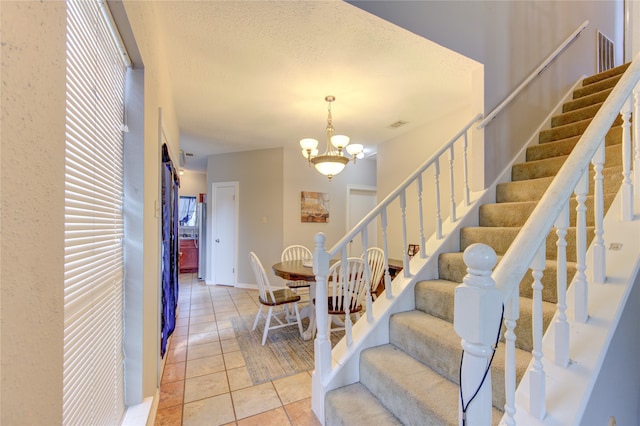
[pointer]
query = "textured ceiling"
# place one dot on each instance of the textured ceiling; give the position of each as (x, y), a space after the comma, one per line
(250, 75)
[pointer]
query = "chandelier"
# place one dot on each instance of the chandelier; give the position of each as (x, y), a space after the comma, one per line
(332, 161)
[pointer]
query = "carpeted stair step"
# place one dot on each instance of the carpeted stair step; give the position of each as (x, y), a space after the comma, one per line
(533, 189)
(355, 405)
(452, 268)
(500, 239)
(550, 166)
(565, 146)
(413, 392)
(585, 101)
(516, 213)
(620, 69)
(596, 86)
(432, 297)
(575, 115)
(569, 130)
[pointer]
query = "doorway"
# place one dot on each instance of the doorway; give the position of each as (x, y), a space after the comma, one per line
(224, 233)
(360, 201)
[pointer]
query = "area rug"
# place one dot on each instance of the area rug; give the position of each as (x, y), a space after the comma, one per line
(284, 353)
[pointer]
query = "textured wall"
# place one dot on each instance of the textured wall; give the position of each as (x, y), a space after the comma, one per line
(32, 216)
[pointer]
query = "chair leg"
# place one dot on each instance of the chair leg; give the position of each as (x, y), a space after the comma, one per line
(267, 324)
(295, 306)
(255, 323)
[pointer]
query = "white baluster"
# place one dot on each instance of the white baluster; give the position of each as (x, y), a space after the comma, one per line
(465, 161)
(387, 278)
(437, 188)
(511, 315)
(421, 216)
(452, 186)
(627, 187)
(636, 140)
(537, 407)
(477, 295)
(598, 209)
(403, 214)
(367, 275)
(581, 313)
(561, 326)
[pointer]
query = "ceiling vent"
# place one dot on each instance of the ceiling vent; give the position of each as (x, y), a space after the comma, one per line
(397, 124)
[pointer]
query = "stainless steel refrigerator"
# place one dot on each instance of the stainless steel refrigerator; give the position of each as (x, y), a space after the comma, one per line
(202, 238)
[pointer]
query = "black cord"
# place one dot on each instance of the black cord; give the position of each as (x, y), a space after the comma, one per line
(486, 371)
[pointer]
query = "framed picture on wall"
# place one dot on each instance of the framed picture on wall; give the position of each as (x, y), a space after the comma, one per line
(413, 249)
(314, 207)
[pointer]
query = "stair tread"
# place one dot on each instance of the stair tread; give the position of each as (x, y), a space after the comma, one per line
(355, 405)
(414, 392)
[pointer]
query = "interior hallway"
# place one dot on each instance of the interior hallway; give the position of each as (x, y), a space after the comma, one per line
(205, 381)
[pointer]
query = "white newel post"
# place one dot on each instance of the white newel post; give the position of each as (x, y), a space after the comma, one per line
(477, 320)
(322, 345)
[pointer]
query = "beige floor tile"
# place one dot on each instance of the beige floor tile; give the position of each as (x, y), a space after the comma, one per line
(170, 416)
(201, 338)
(181, 331)
(202, 387)
(255, 400)
(176, 342)
(204, 350)
(239, 378)
(204, 327)
(301, 414)
(221, 316)
(212, 411)
(176, 355)
(173, 372)
(171, 394)
(230, 345)
(277, 417)
(201, 318)
(200, 312)
(181, 322)
(293, 388)
(223, 324)
(233, 360)
(224, 307)
(203, 366)
(226, 334)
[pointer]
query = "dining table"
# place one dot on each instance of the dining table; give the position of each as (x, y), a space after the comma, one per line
(302, 270)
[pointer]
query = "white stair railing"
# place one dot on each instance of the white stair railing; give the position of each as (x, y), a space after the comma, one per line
(458, 188)
(528, 251)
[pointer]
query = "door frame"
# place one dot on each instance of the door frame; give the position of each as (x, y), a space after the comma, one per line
(212, 227)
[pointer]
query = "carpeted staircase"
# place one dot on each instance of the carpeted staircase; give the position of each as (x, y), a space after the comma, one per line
(414, 378)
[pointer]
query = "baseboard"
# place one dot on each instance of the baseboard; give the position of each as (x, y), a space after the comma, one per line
(143, 413)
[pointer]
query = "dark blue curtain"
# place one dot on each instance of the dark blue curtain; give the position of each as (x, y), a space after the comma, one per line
(170, 218)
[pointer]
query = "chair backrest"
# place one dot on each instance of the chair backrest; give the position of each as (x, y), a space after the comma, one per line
(295, 252)
(348, 285)
(264, 286)
(375, 258)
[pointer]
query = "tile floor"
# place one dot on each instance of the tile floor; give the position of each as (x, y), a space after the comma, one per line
(205, 381)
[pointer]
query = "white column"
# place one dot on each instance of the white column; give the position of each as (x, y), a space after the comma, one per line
(322, 345)
(477, 320)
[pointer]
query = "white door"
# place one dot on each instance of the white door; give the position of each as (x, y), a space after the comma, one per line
(224, 241)
(361, 200)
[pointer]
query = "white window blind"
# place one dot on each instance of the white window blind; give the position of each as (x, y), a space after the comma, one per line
(93, 295)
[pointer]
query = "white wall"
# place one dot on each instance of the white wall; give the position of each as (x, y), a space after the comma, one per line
(193, 183)
(32, 214)
(511, 38)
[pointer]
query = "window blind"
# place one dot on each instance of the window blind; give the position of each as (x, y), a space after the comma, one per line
(93, 376)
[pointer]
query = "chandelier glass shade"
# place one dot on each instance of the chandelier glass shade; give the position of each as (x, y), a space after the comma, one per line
(333, 160)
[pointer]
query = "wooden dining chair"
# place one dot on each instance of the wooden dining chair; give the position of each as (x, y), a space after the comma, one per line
(347, 289)
(296, 252)
(274, 298)
(375, 258)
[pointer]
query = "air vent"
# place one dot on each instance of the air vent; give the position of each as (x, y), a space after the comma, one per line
(189, 154)
(397, 124)
(605, 52)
